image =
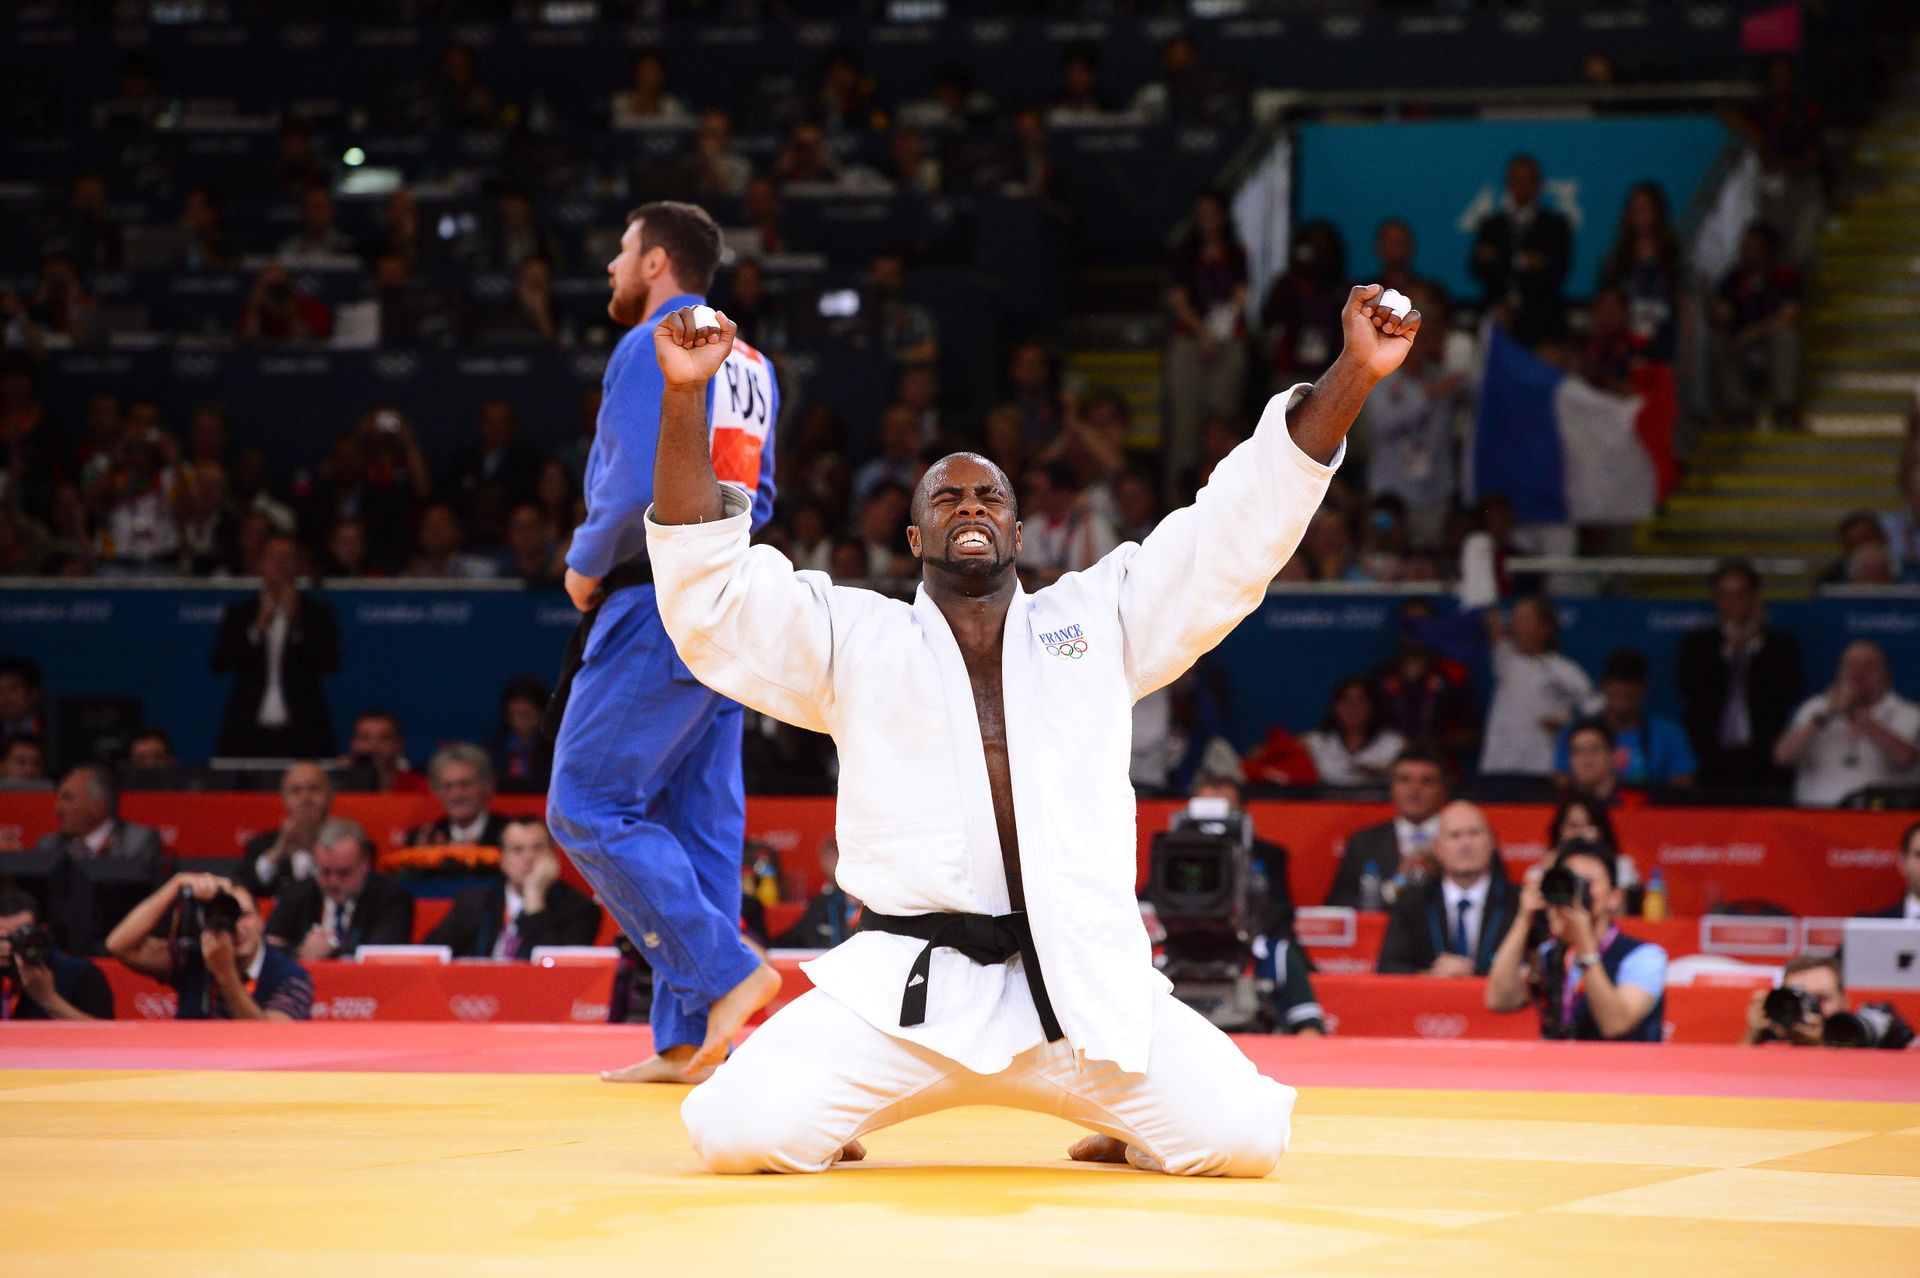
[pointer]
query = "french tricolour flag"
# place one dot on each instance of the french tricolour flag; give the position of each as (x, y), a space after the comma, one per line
(1565, 451)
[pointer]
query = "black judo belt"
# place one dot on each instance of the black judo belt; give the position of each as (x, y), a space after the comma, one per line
(635, 572)
(984, 938)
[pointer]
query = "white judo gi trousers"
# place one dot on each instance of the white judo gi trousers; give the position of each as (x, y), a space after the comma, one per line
(816, 1076)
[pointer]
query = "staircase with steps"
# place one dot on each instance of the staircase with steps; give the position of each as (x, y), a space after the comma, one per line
(1768, 495)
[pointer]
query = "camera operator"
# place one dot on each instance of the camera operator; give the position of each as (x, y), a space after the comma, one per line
(1809, 1009)
(211, 954)
(37, 982)
(1589, 981)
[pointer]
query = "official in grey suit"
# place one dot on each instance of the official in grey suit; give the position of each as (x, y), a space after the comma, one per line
(92, 853)
(1398, 850)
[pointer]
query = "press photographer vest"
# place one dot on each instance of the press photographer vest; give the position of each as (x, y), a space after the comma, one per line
(1549, 997)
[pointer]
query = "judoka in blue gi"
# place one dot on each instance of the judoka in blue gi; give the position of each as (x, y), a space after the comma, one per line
(647, 795)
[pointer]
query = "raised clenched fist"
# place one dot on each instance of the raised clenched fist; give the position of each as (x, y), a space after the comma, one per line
(690, 350)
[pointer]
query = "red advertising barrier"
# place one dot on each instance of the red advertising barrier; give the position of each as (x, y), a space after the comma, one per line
(1813, 862)
(1357, 1006)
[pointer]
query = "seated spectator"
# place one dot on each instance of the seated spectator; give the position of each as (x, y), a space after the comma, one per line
(528, 907)
(1326, 550)
(23, 762)
(1353, 746)
(1536, 691)
(1061, 533)
(1423, 695)
(135, 495)
(907, 331)
(953, 104)
(497, 460)
(645, 100)
(1908, 906)
(274, 859)
(1858, 530)
(227, 975)
(440, 554)
(20, 689)
(1582, 818)
(205, 244)
(847, 101)
(1399, 851)
(344, 905)
(1520, 255)
(59, 312)
(1591, 981)
(346, 552)
(529, 555)
(1590, 755)
(528, 317)
(522, 756)
(899, 459)
(1384, 547)
(52, 986)
(278, 312)
(379, 745)
(89, 829)
(461, 776)
(909, 167)
(1613, 349)
(318, 242)
(1756, 321)
(1739, 682)
(1649, 749)
(1902, 528)
(453, 97)
(150, 749)
(806, 160)
(811, 544)
(1858, 733)
(1136, 505)
(831, 914)
(1452, 925)
(716, 169)
(1080, 95)
(279, 647)
(882, 534)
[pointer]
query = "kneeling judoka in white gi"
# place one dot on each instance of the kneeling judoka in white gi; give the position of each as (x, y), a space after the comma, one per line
(985, 816)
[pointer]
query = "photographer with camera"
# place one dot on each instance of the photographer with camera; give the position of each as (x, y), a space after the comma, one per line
(1809, 1009)
(37, 981)
(211, 953)
(1586, 978)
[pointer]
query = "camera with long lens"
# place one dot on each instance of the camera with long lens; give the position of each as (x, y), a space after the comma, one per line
(1876, 1025)
(1210, 899)
(32, 945)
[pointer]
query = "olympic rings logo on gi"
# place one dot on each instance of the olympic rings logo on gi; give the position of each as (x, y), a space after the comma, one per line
(1072, 650)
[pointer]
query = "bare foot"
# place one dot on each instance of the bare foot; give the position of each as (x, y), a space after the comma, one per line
(730, 1013)
(852, 1152)
(1098, 1149)
(670, 1066)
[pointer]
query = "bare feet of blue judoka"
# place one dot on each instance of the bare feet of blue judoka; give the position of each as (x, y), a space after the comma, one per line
(670, 1066)
(730, 1014)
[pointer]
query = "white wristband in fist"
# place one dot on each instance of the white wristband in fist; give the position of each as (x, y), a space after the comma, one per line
(1394, 301)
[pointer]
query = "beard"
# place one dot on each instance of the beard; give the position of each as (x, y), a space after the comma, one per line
(627, 307)
(972, 567)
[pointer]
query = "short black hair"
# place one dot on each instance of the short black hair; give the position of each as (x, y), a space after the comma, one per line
(1737, 567)
(1591, 725)
(524, 819)
(26, 669)
(1626, 665)
(14, 901)
(150, 733)
(379, 712)
(689, 235)
(1422, 752)
(1596, 852)
(1596, 811)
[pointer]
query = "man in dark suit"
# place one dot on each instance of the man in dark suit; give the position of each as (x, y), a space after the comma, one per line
(1740, 682)
(91, 858)
(279, 647)
(1521, 255)
(1908, 906)
(1399, 850)
(344, 905)
(1453, 925)
(529, 907)
(275, 859)
(461, 777)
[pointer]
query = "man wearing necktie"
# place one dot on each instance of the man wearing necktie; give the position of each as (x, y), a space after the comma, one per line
(527, 908)
(1452, 926)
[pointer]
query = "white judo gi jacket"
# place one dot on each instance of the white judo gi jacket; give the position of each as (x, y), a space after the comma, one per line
(915, 820)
